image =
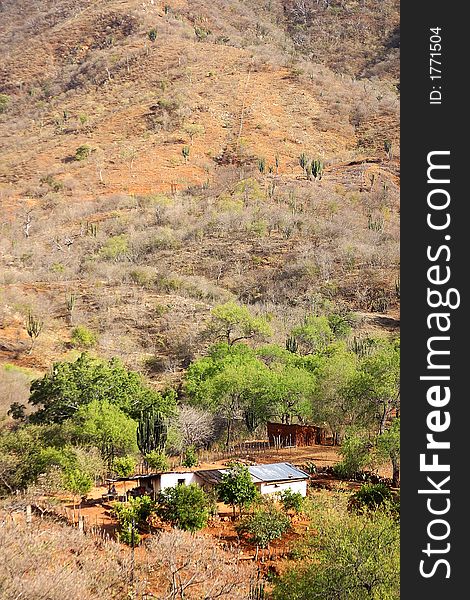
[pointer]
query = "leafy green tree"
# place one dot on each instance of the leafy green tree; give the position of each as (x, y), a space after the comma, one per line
(233, 323)
(377, 384)
(314, 335)
(292, 500)
(133, 515)
(265, 525)
(124, 466)
(349, 557)
(291, 392)
(105, 426)
(184, 506)
(237, 381)
(78, 483)
(25, 454)
(356, 453)
(332, 402)
(228, 382)
(236, 488)
(388, 448)
(69, 385)
(190, 457)
(157, 460)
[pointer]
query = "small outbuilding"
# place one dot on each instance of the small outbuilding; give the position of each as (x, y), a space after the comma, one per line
(282, 435)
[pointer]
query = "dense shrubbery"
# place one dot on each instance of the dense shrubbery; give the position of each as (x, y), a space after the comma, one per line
(369, 542)
(184, 506)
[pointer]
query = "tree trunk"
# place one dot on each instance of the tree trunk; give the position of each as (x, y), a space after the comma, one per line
(396, 472)
(229, 431)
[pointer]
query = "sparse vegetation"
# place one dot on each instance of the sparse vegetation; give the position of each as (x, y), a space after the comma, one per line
(228, 253)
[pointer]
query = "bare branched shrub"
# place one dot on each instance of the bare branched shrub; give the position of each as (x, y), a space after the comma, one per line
(194, 567)
(50, 562)
(196, 426)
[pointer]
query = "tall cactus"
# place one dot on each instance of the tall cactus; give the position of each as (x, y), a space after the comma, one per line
(292, 345)
(257, 591)
(34, 327)
(303, 160)
(152, 432)
(317, 168)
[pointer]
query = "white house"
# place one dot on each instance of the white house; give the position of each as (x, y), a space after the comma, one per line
(269, 479)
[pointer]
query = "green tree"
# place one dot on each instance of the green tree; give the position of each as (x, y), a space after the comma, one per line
(184, 506)
(388, 448)
(190, 457)
(233, 323)
(228, 382)
(78, 483)
(355, 451)
(291, 392)
(314, 335)
(265, 525)
(350, 557)
(292, 500)
(124, 466)
(105, 426)
(133, 515)
(332, 402)
(69, 385)
(157, 460)
(236, 488)
(377, 384)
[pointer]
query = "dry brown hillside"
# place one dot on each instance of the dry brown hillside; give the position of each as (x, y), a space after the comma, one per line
(149, 170)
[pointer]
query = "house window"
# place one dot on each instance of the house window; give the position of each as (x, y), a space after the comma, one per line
(181, 481)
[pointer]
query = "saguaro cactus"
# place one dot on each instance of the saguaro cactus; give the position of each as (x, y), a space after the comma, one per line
(152, 432)
(303, 160)
(317, 168)
(34, 327)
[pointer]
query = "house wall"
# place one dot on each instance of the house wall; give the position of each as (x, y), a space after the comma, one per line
(168, 480)
(294, 486)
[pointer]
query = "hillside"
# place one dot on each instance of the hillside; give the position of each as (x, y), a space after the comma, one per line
(98, 202)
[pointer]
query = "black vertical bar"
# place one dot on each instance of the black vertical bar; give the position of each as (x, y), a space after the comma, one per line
(428, 127)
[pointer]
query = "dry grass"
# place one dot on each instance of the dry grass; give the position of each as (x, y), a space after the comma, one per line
(145, 258)
(47, 560)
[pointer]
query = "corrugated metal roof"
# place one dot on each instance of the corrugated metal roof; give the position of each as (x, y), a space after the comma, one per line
(214, 476)
(259, 473)
(277, 472)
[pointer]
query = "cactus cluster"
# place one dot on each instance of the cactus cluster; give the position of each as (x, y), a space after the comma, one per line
(312, 168)
(292, 345)
(376, 223)
(152, 432)
(257, 591)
